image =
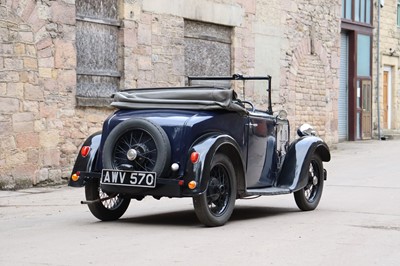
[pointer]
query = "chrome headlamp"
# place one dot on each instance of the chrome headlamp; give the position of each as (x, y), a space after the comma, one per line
(306, 130)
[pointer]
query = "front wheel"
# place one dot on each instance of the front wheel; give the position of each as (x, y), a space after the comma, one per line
(307, 198)
(215, 206)
(109, 209)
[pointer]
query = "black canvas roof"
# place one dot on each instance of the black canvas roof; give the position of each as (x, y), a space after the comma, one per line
(197, 98)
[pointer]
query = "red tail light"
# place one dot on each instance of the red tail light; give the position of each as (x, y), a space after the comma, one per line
(194, 157)
(85, 151)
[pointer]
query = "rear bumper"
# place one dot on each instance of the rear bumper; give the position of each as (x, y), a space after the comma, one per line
(165, 187)
(83, 178)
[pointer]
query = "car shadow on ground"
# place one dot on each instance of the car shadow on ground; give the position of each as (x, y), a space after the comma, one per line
(188, 217)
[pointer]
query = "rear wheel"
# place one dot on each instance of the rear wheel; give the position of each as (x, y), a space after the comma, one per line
(137, 145)
(215, 206)
(112, 208)
(308, 198)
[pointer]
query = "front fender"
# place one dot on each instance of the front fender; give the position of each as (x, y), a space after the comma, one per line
(207, 147)
(85, 165)
(297, 161)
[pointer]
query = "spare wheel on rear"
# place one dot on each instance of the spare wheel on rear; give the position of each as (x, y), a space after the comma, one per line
(137, 144)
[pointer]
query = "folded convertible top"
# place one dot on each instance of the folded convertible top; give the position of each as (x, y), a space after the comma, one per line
(193, 98)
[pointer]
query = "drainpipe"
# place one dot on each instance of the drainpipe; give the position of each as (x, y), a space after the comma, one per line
(380, 2)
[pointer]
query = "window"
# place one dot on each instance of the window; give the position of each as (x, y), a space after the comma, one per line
(207, 49)
(362, 10)
(398, 13)
(363, 55)
(97, 28)
(346, 9)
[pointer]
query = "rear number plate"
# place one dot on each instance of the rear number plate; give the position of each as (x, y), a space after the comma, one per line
(128, 178)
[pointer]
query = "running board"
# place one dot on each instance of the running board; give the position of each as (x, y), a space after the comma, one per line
(268, 191)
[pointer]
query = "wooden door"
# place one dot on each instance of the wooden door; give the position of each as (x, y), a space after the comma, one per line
(385, 99)
(366, 109)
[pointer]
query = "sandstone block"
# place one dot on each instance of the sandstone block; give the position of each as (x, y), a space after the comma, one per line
(44, 43)
(27, 140)
(26, 36)
(15, 90)
(13, 63)
(33, 92)
(22, 117)
(9, 105)
(19, 49)
(30, 49)
(63, 13)
(47, 62)
(45, 72)
(3, 88)
(65, 55)
(30, 63)
(7, 142)
(16, 158)
(51, 157)
(41, 175)
(49, 139)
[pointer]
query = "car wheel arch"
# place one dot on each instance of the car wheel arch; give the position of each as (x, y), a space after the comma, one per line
(234, 155)
(207, 148)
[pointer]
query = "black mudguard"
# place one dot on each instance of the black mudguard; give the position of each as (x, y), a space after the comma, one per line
(297, 161)
(207, 147)
(85, 165)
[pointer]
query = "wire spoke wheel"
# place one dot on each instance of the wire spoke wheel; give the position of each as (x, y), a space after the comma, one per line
(308, 197)
(215, 206)
(137, 145)
(110, 202)
(142, 145)
(219, 190)
(105, 207)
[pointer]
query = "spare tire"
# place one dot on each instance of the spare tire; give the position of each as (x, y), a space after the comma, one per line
(137, 145)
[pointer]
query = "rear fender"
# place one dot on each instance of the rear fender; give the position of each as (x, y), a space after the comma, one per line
(207, 147)
(297, 161)
(85, 165)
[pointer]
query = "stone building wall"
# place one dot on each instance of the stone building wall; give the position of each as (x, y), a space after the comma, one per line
(389, 56)
(310, 65)
(41, 125)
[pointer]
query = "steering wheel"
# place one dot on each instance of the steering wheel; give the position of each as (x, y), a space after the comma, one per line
(251, 105)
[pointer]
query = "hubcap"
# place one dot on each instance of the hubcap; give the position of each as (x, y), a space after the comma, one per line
(131, 154)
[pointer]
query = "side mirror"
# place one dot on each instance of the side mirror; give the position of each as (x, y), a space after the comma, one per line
(306, 130)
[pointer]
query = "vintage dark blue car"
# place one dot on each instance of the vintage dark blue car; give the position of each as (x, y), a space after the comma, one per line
(200, 142)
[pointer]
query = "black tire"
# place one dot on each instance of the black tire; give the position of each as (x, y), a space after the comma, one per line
(215, 206)
(107, 210)
(148, 140)
(307, 198)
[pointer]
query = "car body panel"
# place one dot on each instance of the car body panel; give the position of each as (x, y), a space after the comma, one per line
(296, 161)
(86, 165)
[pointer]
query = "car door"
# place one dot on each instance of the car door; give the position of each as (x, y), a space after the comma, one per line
(261, 157)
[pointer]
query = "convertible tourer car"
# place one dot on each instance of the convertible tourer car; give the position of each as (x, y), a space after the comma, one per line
(198, 141)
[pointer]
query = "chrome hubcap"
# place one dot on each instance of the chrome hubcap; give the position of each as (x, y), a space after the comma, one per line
(131, 154)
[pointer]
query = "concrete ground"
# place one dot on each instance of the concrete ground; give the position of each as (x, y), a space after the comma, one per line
(356, 223)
